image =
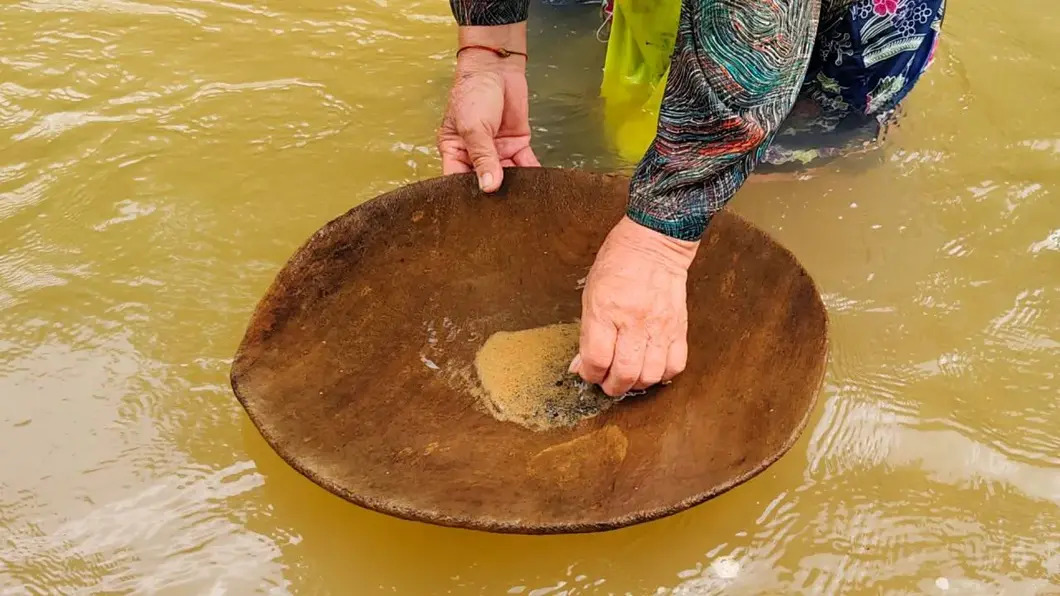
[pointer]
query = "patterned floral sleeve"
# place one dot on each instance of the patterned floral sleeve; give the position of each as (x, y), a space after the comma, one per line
(489, 12)
(735, 73)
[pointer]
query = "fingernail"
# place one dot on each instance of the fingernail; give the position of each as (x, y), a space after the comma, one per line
(485, 181)
(574, 364)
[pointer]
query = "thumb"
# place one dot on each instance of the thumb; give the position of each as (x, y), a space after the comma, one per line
(596, 349)
(483, 153)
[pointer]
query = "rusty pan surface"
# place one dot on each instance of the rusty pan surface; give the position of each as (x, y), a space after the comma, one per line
(357, 364)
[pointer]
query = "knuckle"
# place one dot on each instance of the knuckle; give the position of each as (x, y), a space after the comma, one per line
(595, 366)
(464, 129)
(658, 333)
(633, 311)
(628, 358)
(482, 160)
(595, 379)
(595, 360)
(466, 125)
(445, 129)
(651, 379)
(674, 369)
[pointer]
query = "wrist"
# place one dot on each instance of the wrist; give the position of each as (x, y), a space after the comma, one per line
(667, 250)
(507, 37)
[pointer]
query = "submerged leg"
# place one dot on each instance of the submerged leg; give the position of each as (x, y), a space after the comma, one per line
(868, 57)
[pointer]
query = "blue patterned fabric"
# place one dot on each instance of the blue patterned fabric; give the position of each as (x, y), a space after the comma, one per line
(871, 54)
(868, 57)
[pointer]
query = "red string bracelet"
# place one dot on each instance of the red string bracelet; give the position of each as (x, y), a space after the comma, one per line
(501, 52)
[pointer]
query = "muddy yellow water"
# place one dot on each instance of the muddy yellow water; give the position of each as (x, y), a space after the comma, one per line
(160, 159)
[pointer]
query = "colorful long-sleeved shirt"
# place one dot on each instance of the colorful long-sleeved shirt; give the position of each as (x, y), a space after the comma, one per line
(737, 68)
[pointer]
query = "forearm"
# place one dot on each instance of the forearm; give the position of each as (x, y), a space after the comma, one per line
(733, 77)
(494, 24)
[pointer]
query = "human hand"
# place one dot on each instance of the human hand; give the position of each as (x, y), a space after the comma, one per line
(487, 124)
(634, 314)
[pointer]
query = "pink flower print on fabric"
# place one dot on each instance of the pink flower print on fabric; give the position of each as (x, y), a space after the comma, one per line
(885, 7)
(931, 55)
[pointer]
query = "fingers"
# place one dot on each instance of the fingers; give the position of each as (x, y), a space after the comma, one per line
(453, 164)
(627, 364)
(483, 154)
(596, 349)
(458, 162)
(654, 365)
(575, 365)
(676, 359)
(526, 158)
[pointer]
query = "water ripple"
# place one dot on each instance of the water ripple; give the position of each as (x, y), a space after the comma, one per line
(56, 123)
(174, 533)
(113, 6)
(162, 158)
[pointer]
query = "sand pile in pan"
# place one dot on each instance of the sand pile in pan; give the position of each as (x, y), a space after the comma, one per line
(524, 375)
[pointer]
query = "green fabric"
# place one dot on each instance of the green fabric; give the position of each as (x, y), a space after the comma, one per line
(639, 47)
(637, 63)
